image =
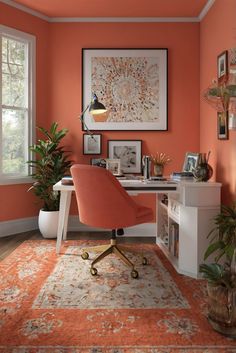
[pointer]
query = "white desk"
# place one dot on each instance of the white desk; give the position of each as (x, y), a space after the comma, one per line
(132, 186)
(192, 206)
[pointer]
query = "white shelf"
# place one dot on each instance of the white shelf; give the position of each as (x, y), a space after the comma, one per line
(193, 209)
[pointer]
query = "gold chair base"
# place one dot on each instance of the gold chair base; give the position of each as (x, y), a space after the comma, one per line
(106, 250)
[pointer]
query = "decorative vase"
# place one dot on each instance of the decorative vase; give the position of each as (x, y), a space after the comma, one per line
(48, 223)
(203, 171)
(158, 169)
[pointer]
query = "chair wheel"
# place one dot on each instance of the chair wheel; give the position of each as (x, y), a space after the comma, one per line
(134, 274)
(144, 261)
(93, 271)
(85, 256)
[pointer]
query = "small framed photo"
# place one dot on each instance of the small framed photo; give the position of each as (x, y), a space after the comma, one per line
(98, 162)
(113, 165)
(190, 161)
(92, 144)
(129, 152)
(222, 126)
(222, 66)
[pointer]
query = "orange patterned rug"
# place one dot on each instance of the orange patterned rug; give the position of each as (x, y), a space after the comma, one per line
(51, 304)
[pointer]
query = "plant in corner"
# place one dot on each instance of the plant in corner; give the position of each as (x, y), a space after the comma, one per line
(221, 274)
(51, 163)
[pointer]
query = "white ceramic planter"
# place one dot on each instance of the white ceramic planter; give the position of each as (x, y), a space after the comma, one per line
(48, 222)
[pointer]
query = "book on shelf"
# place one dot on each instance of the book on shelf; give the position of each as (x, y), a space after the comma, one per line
(174, 239)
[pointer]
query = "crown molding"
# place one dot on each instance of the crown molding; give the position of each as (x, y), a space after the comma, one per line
(206, 9)
(25, 9)
(111, 19)
(125, 19)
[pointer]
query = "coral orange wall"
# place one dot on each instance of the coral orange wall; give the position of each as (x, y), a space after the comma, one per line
(15, 202)
(182, 41)
(217, 33)
(59, 87)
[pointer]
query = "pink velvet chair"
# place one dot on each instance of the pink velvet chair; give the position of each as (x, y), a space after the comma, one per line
(104, 203)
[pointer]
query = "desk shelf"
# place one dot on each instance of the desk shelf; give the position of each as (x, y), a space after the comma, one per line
(185, 223)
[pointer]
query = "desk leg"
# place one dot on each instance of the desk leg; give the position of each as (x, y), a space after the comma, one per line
(63, 214)
(157, 215)
(68, 200)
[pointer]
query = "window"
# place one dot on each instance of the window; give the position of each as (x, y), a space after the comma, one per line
(17, 66)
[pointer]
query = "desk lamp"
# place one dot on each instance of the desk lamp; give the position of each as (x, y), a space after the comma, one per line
(95, 108)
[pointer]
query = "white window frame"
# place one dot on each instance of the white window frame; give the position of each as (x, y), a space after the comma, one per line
(31, 41)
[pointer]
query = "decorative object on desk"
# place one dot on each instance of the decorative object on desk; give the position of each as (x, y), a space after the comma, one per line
(221, 94)
(222, 123)
(190, 161)
(92, 144)
(132, 83)
(221, 274)
(50, 165)
(113, 165)
(203, 171)
(159, 160)
(99, 162)
(146, 167)
(96, 109)
(129, 152)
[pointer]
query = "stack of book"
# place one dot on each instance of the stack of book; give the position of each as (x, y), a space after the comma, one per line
(182, 176)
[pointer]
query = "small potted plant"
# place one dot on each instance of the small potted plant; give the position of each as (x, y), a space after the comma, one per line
(221, 274)
(51, 163)
(159, 160)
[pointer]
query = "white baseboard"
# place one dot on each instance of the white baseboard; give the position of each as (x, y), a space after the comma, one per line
(18, 226)
(26, 224)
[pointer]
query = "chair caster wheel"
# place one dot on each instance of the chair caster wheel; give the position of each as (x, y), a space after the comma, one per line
(93, 271)
(134, 274)
(144, 261)
(85, 256)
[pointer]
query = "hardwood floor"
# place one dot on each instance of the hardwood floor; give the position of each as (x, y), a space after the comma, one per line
(10, 243)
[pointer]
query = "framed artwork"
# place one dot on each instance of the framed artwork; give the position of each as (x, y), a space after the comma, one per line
(92, 144)
(222, 126)
(131, 83)
(190, 161)
(113, 165)
(222, 66)
(129, 152)
(98, 162)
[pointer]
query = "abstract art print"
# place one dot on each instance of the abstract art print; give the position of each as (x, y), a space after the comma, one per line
(131, 83)
(92, 143)
(129, 152)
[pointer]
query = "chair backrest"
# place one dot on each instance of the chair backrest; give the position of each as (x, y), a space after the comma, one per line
(102, 201)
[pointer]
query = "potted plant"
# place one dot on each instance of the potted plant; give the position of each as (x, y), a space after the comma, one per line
(221, 274)
(51, 163)
(159, 160)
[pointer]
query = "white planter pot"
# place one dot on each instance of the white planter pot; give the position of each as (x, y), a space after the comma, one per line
(48, 222)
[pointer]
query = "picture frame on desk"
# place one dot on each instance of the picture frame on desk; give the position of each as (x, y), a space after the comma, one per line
(92, 144)
(129, 152)
(190, 161)
(130, 83)
(113, 165)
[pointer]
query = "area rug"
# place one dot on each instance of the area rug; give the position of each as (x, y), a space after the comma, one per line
(51, 304)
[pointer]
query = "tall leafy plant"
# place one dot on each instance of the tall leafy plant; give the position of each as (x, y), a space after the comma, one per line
(51, 163)
(223, 246)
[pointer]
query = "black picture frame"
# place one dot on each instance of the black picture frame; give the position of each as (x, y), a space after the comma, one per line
(92, 144)
(129, 152)
(222, 66)
(145, 111)
(223, 125)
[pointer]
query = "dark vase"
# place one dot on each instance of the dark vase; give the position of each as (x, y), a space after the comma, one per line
(203, 171)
